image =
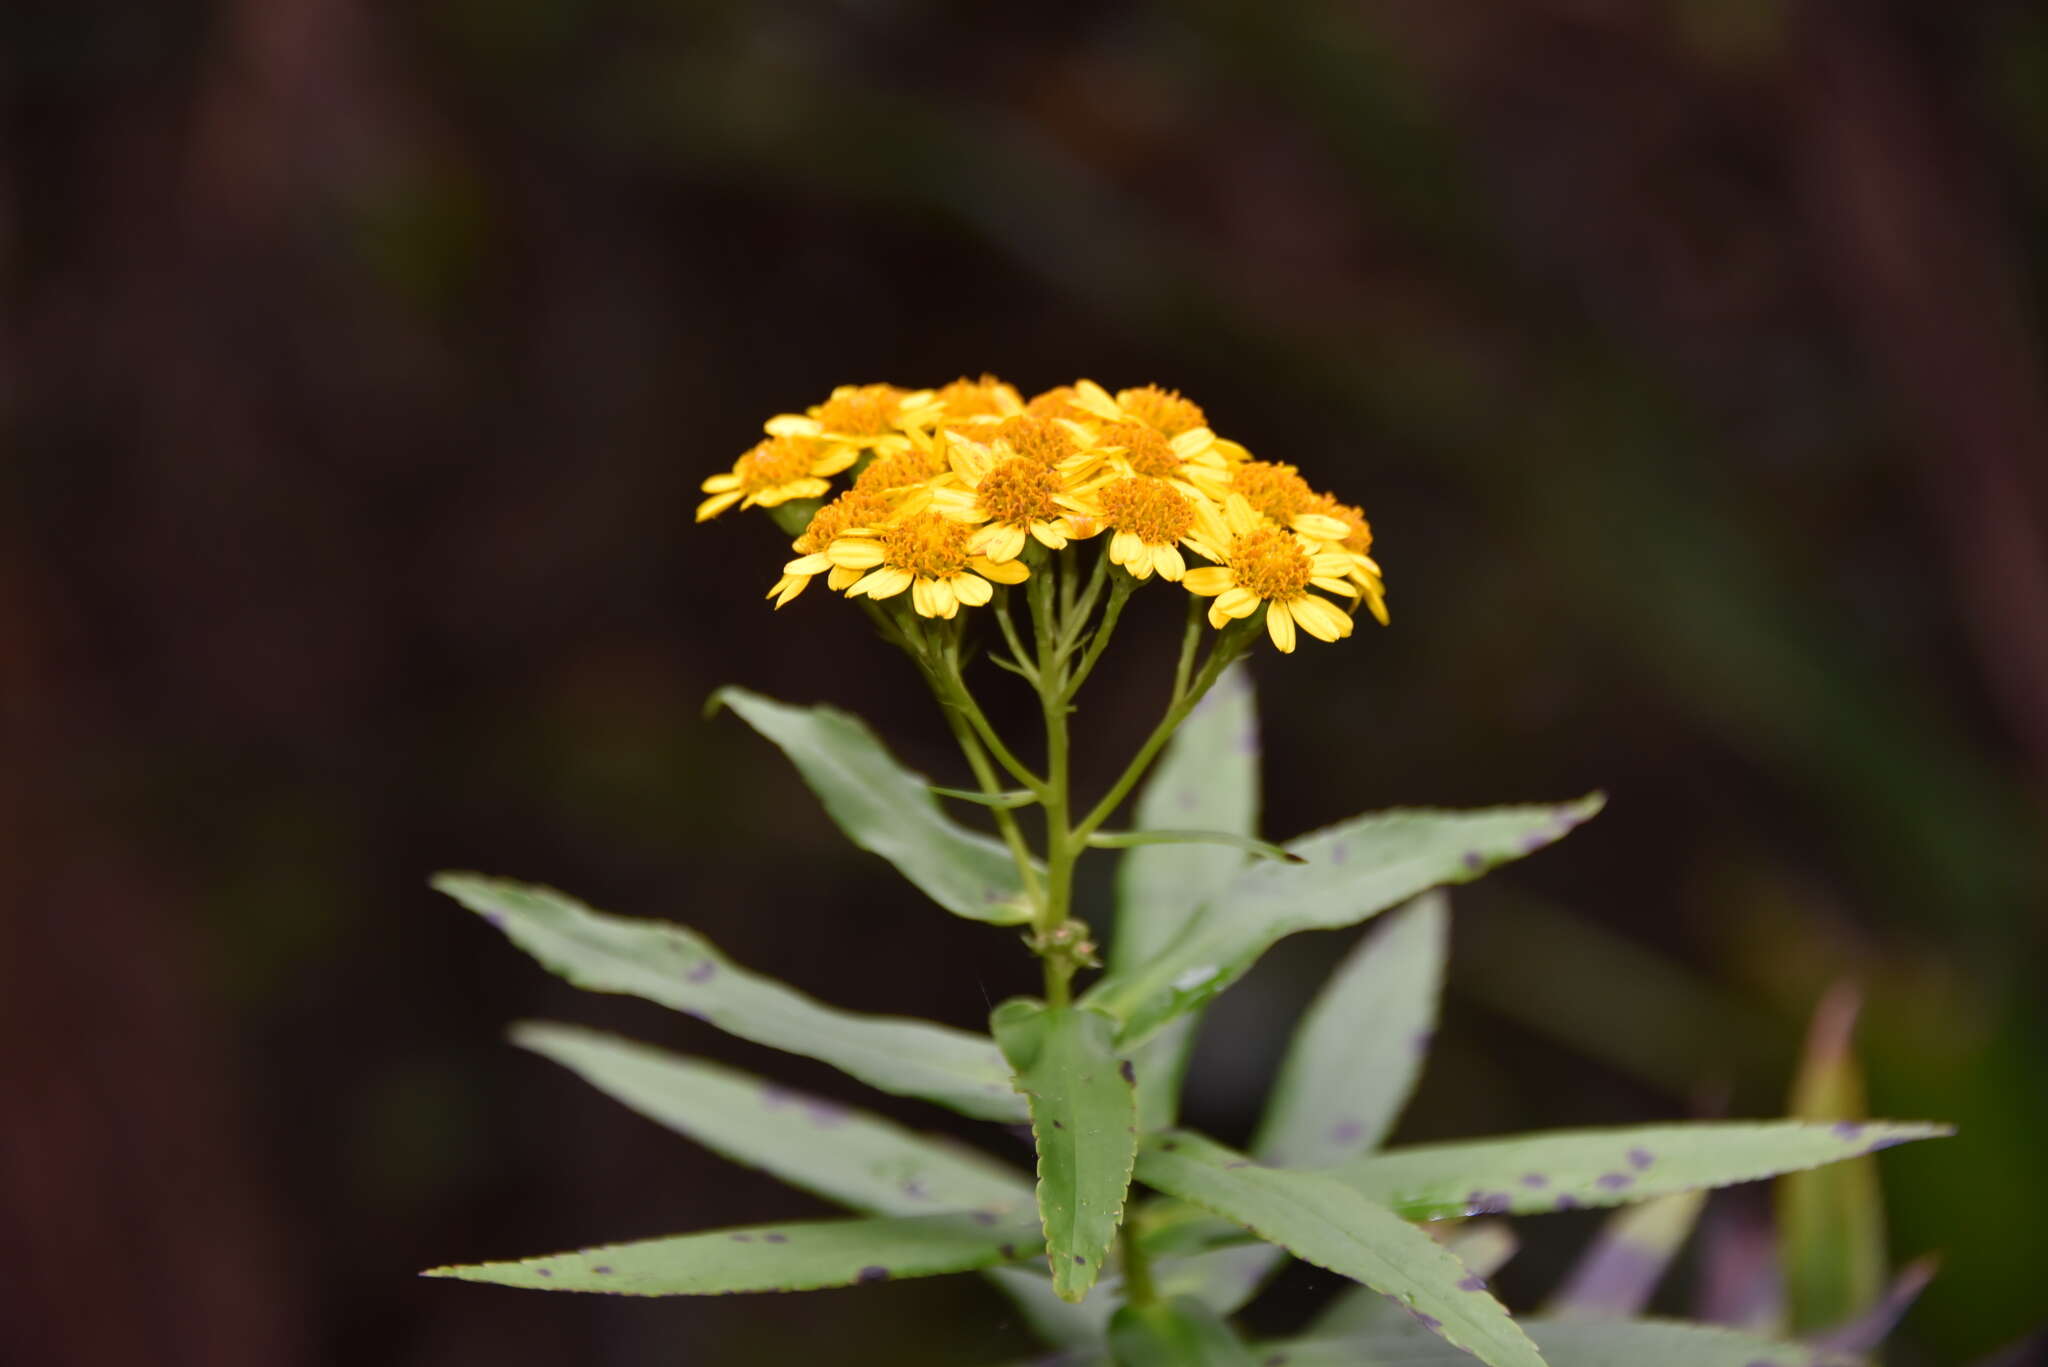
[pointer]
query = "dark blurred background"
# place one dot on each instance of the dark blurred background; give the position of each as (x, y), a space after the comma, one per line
(360, 364)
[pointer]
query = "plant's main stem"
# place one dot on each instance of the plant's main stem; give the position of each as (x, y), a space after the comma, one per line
(1047, 630)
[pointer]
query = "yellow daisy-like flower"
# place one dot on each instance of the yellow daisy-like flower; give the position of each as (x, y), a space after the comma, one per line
(911, 468)
(860, 417)
(1058, 402)
(854, 508)
(773, 472)
(1356, 548)
(1148, 519)
(1041, 438)
(1259, 564)
(926, 553)
(1188, 460)
(1008, 497)
(1279, 492)
(965, 400)
(1164, 411)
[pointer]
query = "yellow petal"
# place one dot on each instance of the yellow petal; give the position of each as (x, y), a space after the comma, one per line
(972, 589)
(1169, 562)
(1209, 581)
(835, 460)
(719, 484)
(808, 565)
(883, 583)
(841, 579)
(714, 505)
(1320, 618)
(1280, 626)
(855, 554)
(791, 425)
(1049, 535)
(921, 597)
(1003, 572)
(999, 541)
(1193, 442)
(1218, 619)
(1237, 602)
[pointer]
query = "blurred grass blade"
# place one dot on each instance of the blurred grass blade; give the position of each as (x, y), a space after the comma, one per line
(1870, 1328)
(1564, 1343)
(1084, 1118)
(1360, 1047)
(1615, 1278)
(1739, 1286)
(1354, 871)
(1483, 1246)
(859, 1160)
(1126, 840)
(1324, 1222)
(888, 810)
(1179, 1333)
(1208, 776)
(1569, 1169)
(679, 969)
(1831, 1237)
(786, 1257)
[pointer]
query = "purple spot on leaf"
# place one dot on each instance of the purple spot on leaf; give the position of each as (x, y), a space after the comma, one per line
(1079, 1260)
(1346, 1132)
(1422, 1040)
(1472, 1283)
(1488, 1203)
(1535, 841)
(873, 1274)
(1170, 1146)
(701, 971)
(775, 1097)
(602, 1270)
(1429, 1322)
(1566, 1201)
(1474, 860)
(825, 1114)
(916, 1190)
(1008, 1250)
(544, 1272)
(1535, 1179)
(984, 1217)
(1248, 742)
(1615, 1181)
(1059, 1124)
(1892, 1142)
(776, 1238)
(1128, 1073)
(495, 918)
(743, 1238)
(1339, 853)
(1641, 1158)
(1847, 1129)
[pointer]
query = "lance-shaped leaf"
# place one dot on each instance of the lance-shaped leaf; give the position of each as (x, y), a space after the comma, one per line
(787, 1257)
(678, 968)
(1361, 1046)
(1353, 871)
(1179, 1333)
(1208, 778)
(1571, 1169)
(1616, 1277)
(1325, 1222)
(1564, 1343)
(1483, 1246)
(1084, 1119)
(887, 809)
(1831, 1238)
(1130, 840)
(845, 1155)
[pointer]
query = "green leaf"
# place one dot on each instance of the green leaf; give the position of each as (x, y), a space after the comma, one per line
(679, 969)
(1361, 1046)
(1207, 777)
(1565, 1343)
(1483, 1246)
(1617, 1275)
(844, 1155)
(1008, 800)
(1831, 1236)
(785, 1257)
(1179, 1333)
(886, 809)
(1569, 1169)
(1223, 1279)
(1325, 1222)
(1084, 1117)
(1354, 871)
(1124, 840)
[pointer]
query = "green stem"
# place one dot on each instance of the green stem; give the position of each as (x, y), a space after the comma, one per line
(1119, 591)
(1006, 821)
(952, 689)
(1052, 702)
(1220, 655)
(1138, 1288)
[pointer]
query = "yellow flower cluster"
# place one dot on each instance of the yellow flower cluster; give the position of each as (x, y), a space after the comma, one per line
(951, 486)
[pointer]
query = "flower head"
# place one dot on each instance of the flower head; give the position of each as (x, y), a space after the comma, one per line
(1010, 497)
(1147, 519)
(1356, 548)
(860, 417)
(855, 508)
(1262, 564)
(773, 472)
(927, 553)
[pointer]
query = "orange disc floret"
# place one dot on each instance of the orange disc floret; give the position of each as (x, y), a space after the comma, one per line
(866, 410)
(1036, 438)
(1020, 490)
(774, 471)
(1146, 451)
(900, 470)
(856, 507)
(1274, 489)
(1150, 509)
(1164, 409)
(926, 545)
(985, 397)
(1358, 537)
(1057, 402)
(1270, 563)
